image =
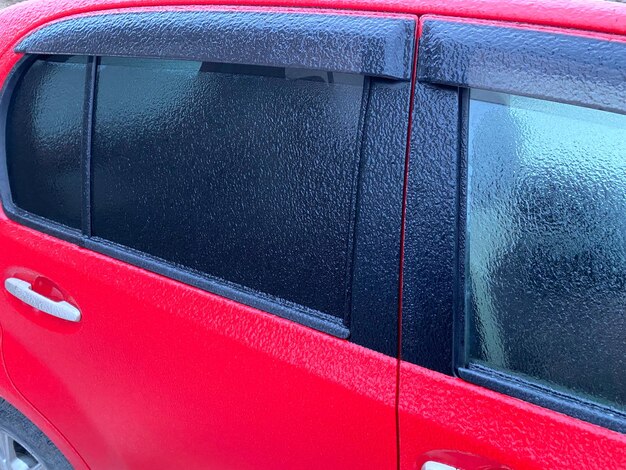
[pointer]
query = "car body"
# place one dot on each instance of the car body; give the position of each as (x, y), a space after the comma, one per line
(246, 301)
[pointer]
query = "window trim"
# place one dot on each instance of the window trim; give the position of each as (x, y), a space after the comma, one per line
(563, 67)
(377, 46)
(373, 309)
(83, 238)
(455, 56)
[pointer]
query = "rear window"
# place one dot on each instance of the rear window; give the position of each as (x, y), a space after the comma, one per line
(245, 173)
(43, 137)
(546, 244)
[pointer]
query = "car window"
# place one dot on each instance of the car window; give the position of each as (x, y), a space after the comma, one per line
(243, 173)
(43, 139)
(546, 243)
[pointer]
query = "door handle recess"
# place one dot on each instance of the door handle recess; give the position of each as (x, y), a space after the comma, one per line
(23, 290)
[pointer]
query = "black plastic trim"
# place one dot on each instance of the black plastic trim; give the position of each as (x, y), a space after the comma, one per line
(552, 66)
(85, 161)
(369, 45)
(375, 297)
(544, 396)
(431, 218)
(454, 57)
(460, 326)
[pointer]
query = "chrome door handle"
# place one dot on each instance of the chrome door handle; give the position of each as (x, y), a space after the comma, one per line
(432, 465)
(23, 291)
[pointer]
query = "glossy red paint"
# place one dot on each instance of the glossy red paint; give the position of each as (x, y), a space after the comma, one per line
(159, 374)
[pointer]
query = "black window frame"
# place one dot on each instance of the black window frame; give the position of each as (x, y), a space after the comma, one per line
(454, 57)
(373, 316)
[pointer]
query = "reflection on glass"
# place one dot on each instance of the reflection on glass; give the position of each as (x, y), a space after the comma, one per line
(546, 243)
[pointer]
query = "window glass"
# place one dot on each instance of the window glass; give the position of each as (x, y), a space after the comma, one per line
(43, 138)
(546, 243)
(244, 173)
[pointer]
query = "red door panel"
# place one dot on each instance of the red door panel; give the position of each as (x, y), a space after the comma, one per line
(161, 375)
(440, 413)
(446, 419)
(10, 394)
(158, 374)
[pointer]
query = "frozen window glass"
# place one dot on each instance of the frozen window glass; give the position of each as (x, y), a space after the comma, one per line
(546, 243)
(43, 139)
(244, 173)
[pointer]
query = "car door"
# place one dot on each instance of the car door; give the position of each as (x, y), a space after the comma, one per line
(514, 358)
(212, 201)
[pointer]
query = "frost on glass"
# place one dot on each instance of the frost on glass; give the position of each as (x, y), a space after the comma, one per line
(241, 173)
(546, 243)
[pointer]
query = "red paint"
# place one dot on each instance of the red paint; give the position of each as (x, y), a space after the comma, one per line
(162, 375)
(44, 286)
(439, 413)
(448, 420)
(15, 398)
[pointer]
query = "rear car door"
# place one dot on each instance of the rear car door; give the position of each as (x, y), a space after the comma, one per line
(219, 195)
(514, 358)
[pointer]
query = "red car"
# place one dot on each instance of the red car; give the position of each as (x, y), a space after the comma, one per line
(368, 234)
